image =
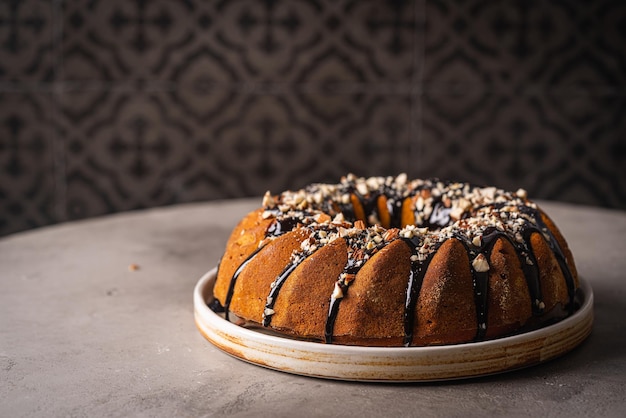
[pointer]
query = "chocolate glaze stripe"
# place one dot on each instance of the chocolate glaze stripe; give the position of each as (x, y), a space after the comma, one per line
(348, 212)
(412, 291)
(282, 226)
(233, 281)
(395, 211)
(414, 287)
(530, 267)
(351, 267)
(216, 306)
(560, 257)
(543, 230)
(368, 204)
(556, 250)
(481, 295)
(333, 310)
(527, 258)
(569, 279)
(268, 312)
(481, 279)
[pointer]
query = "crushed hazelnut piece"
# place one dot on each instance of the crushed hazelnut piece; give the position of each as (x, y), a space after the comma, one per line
(480, 264)
(348, 278)
(362, 188)
(391, 234)
(337, 292)
(321, 218)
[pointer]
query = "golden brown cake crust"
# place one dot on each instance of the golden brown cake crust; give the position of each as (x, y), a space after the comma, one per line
(304, 300)
(510, 304)
(392, 262)
(374, 303)
(243, 241)
(446, 310)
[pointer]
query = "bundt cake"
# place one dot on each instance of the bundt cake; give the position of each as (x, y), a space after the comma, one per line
(385, 261)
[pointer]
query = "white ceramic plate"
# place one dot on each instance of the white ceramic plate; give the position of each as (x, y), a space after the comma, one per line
(399, 364)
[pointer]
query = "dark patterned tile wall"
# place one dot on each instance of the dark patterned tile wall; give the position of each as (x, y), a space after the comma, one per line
(111, 105)
(528, 93)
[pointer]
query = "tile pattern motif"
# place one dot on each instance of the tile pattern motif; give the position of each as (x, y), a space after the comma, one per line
(110, 105)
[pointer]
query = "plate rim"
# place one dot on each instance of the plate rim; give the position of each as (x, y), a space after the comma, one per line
(391, 364)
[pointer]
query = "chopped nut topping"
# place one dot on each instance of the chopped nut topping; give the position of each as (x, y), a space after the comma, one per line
(339, 218)
(362, 188)
(480, 264)
(268, 200)
(470, 212)
(337, 292)
(348, 278)
(358, 254)
(322, 218)
(456, 213)
(267, 214)
(391, 234)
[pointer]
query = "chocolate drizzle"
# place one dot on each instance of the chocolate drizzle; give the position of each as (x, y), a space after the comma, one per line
(351, 268)
(440, 215)
(439, 218)
(357, 257)
(268, 313)
(368, 202)
(480, 280)
(481, 288)
(394, 206)
(233, 281)
(281, 226)
(558, 253)
(413, 289)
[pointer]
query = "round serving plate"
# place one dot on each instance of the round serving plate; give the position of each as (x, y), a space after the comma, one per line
(390, 364)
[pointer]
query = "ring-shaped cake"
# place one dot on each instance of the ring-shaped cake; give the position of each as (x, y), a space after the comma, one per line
(387, 261)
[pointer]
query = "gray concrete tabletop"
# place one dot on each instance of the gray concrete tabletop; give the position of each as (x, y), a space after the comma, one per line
(96, 319)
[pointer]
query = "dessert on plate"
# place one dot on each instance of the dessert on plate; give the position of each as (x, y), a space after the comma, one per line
(388, 261)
